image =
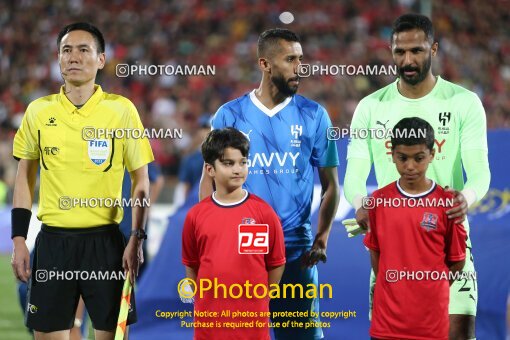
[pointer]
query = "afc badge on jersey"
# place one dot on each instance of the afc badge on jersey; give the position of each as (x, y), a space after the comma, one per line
(429, 221)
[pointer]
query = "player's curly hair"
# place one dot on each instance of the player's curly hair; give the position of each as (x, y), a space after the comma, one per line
(412, 131)
(217, 141)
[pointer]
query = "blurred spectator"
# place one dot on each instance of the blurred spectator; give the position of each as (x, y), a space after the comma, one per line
(3, 188)
(191, 166)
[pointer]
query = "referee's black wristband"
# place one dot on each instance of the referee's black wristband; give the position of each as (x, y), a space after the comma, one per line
(20, 220)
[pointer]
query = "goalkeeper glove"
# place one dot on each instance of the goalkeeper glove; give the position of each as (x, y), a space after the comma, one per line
(352, 227)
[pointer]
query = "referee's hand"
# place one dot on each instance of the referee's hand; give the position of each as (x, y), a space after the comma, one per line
(20, 260)
(133, 257)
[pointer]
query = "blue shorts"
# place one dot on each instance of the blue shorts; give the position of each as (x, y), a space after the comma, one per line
(295, 274)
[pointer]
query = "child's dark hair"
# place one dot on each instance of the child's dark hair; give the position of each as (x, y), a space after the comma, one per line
(217, 141)
(412, 131)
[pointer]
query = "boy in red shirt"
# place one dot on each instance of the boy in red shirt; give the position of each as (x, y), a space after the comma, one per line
(413, 245)
(233, 237)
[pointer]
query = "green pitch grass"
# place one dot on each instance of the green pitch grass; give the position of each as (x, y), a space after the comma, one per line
(11, 317)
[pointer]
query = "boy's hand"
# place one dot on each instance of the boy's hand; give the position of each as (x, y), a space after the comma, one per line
(459, 211)
(317, 253)
(362, 218)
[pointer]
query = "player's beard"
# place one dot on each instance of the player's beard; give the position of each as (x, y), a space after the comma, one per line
(283, 86)
(420, 75)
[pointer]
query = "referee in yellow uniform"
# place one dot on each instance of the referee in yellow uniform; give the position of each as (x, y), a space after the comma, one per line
(80, 250)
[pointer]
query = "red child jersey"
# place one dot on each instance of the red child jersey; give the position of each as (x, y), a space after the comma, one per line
(415, 240)
(211, 242)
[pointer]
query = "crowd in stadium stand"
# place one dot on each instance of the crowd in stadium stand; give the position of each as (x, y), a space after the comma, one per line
(474, 51)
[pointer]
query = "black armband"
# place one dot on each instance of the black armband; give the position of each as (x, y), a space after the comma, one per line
(20, 220)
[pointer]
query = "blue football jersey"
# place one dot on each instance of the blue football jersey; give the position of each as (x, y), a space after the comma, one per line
(286, 143)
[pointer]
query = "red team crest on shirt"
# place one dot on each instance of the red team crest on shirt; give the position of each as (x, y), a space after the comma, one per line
(253, 238)
(248, 220)
(429, 221)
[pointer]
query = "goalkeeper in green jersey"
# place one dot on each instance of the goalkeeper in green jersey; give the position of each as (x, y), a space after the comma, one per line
(458, 118)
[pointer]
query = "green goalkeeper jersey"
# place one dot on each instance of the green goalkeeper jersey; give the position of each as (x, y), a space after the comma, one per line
(456, 114)
(459, 123)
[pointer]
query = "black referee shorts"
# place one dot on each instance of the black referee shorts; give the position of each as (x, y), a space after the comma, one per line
(73, 262)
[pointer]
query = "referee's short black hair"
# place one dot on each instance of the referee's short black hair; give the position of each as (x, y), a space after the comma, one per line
(411, 21)
(412, 131)
(217, 141)
(83, 26)
(268, 40)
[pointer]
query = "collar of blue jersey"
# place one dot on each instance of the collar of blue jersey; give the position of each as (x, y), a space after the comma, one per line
(87, 108)
(266, 110)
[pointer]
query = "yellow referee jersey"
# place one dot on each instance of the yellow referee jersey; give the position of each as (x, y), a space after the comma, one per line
(82, 154)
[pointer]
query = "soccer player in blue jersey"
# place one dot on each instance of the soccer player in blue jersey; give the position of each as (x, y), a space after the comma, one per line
(288, 138)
